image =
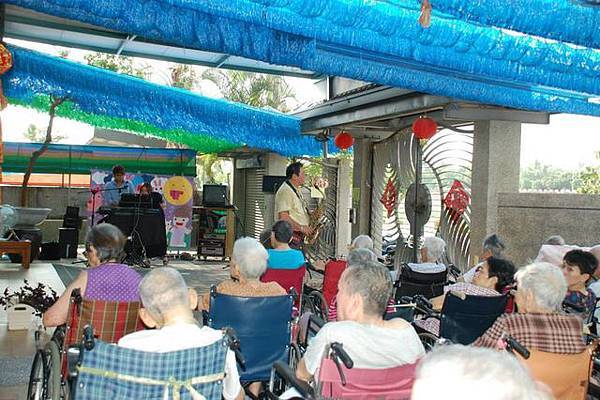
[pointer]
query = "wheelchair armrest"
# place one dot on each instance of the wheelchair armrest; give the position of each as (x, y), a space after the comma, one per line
(205, 317)
(286, 373)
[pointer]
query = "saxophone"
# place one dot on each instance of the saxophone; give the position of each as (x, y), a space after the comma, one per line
(316, 216)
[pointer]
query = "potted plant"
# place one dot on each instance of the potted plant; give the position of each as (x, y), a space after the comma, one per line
(26, 301)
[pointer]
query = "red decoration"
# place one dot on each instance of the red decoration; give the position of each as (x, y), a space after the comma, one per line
(389, 197)
(425, 16)
(424, 128)
(6, 63)
(343, 140)
(457, 200)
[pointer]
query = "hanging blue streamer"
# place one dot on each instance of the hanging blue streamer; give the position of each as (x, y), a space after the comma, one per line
(101, 92)
(373, 41)
(572, 21)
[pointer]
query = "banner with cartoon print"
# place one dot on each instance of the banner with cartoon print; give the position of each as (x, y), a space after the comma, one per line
(177, 192)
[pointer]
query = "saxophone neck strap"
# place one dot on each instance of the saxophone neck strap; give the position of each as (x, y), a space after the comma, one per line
(298, 195)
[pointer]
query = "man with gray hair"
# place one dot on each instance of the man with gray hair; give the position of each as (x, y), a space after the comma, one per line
(167, 307)
(493, 246)
(459, 372)
(371, 342)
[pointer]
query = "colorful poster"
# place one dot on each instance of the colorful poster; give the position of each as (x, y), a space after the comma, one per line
(177, 192)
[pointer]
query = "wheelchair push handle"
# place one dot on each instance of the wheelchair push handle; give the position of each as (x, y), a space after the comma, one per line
(234, 345)
(339, 352)
(513, 344)
(88, 337)
(423, 304)
(571, 307)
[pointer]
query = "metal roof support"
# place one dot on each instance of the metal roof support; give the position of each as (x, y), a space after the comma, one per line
(128, 39)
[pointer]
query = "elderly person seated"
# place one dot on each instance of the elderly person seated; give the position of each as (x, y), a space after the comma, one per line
(459, 372)
(493, 246)
(167, 308)
(356, 257)
(492, 278)
(431, 256)
(541, 289)
(281, 256)
(248, 263)
(579, 267)
(106, 279)
(371, 342)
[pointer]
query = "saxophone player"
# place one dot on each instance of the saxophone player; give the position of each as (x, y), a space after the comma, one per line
(290, 205)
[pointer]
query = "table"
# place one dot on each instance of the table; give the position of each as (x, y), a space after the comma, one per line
(21, 247)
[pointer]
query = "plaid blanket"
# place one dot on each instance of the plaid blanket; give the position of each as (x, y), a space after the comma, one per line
(112, 372)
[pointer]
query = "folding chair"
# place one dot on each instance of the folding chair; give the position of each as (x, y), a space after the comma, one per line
(263, 326)
(111, 321)
(105, 371)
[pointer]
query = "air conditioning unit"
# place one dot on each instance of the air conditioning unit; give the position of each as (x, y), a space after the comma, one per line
(250, 162)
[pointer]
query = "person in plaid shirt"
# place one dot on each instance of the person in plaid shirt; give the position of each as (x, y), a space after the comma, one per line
(539, 325)
(578, 267)
(167, 307)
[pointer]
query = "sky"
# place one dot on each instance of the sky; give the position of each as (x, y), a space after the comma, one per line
(568, 142)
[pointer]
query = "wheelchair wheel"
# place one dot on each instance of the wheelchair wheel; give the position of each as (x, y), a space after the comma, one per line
(429, 340)
(54, 370)
(38, 382)
(318, 305)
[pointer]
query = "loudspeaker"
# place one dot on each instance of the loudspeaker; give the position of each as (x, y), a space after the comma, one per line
(271, 183)
(68, 239)
(50, 251)
(71, 218)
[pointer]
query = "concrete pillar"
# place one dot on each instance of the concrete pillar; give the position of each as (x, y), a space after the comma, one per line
(496, 164)
(362, 186)
(344, 203)
(274, 165)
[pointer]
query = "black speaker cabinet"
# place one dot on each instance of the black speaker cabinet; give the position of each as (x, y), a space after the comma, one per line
(68, 239)
(50, 251)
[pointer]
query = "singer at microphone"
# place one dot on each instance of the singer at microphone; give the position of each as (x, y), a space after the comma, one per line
(116, 187)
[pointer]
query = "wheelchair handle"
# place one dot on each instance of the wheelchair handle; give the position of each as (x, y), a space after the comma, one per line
(234, 345)
(513, 344)
(338, 350)
(88, 337)
(572, 307)
(423, 304)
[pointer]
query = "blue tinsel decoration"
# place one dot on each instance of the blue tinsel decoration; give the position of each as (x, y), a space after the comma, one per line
(368, 40)
(101, 92)
(572, 21)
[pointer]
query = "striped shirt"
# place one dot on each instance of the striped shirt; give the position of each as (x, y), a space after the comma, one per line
(551, 333)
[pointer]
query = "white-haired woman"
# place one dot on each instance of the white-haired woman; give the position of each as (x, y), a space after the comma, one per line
(248, 263)
(539, 325)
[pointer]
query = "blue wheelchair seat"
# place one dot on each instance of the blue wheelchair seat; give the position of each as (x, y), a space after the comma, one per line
(111, 372)
(262, 325)
(464, 320)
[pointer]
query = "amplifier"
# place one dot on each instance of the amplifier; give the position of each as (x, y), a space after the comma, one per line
(211, 248)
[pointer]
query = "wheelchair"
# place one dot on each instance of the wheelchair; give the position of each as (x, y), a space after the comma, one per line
(287, 279)
(264, 327)
(319, 301)
(411, 283)
(338, 379)
(48, 377)
(463, 318)
(100, 370)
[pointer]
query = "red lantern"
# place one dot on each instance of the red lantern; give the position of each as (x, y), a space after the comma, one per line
(343, 140)
(424, 128)
(6, 63)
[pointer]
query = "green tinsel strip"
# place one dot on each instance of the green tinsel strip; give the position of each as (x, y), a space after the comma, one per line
(198, 142)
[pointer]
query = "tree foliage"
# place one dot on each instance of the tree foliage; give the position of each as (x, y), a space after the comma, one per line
(38, 135)
(258, 90)
(120, 64)
(539, 176)
(183, 76)
(590, 178)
